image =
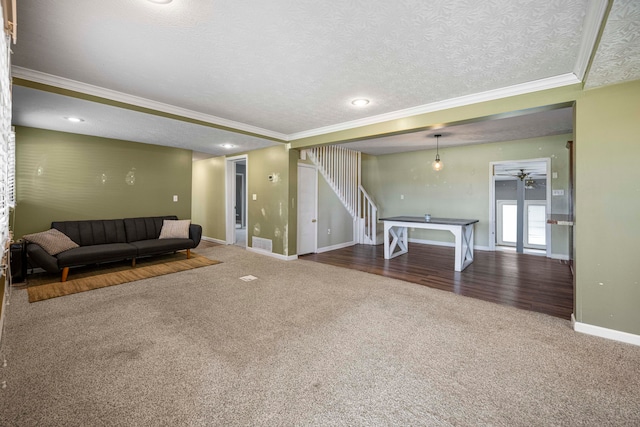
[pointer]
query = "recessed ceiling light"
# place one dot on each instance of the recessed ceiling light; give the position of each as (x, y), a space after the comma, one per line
(160, 1)
(360, 102)
(227, 145)
(74, 119)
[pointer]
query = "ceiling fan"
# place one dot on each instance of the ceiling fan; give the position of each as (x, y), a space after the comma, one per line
(522, 170)
(516, 173)
(522, 175)
(530, 184)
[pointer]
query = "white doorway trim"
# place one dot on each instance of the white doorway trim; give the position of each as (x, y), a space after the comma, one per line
(492, 199)
(230, 185)
(243, 191)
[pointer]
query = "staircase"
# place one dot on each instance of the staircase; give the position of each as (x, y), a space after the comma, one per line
(340, 167)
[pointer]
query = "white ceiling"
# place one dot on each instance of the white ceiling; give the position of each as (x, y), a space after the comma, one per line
(287, 69)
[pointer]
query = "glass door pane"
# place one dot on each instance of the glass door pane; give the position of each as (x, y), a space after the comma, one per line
(509, 223)
(536, 225)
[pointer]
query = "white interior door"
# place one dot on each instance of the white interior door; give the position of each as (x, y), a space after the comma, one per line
(307, 209)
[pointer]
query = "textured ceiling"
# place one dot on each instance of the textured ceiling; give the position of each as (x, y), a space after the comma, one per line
(618, 57)
(283, 68)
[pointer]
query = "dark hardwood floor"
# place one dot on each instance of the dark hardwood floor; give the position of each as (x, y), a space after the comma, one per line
(529, 282)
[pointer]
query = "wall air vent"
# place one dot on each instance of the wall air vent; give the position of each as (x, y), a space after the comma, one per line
(262, 244)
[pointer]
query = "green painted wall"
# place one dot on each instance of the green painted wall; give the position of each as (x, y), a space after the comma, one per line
(461, 189)
(63, 176)
(608, 207)
(208, 203)
(273, 215)
(332, 215)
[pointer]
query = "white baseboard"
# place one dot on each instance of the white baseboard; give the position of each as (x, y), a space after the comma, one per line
(334, 247)
(560, 257)
(271, 254)
(599, 331)
(448, 244)
(211, 239)
(258, 251)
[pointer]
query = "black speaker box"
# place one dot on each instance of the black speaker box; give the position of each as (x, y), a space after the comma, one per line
(18, 259)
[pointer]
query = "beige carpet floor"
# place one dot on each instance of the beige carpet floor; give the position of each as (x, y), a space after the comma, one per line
(303, 344)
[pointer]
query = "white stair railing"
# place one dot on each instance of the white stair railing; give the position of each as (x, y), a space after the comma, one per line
(368, 218)
(341, 168)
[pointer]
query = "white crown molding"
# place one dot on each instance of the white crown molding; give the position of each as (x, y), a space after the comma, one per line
(593, 20)
(520, 89)
(63, 83)
(490, 95)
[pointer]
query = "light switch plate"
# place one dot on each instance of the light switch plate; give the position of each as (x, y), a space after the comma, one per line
(558, 192)
(255, 197)
(175, 197)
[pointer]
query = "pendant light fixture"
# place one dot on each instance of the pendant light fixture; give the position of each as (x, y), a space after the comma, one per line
(437, 164)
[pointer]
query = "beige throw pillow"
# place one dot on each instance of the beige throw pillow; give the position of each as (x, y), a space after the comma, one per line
(52, 241)
(175, 229)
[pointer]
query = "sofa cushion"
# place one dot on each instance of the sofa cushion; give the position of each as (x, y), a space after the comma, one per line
(93, 232)
(159, 246)
(52, 241)
(145, 228)
(175, 229)
(96, 253)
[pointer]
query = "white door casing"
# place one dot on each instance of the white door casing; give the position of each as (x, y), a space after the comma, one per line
(492, 199)
(230, 180)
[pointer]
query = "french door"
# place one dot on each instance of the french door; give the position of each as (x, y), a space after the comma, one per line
(535, 218)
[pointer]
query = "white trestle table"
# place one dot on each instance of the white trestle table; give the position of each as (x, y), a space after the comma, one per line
(396, 236)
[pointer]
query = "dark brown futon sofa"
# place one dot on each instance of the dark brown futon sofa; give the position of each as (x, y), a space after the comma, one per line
(111, 240)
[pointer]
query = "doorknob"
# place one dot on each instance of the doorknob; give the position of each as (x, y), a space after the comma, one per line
(313, 220)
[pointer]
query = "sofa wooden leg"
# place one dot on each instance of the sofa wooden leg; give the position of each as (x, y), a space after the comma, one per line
(65, 273)
(188, 253)
(133, 262)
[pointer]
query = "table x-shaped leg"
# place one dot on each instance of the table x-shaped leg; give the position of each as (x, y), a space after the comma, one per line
(400, 240)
